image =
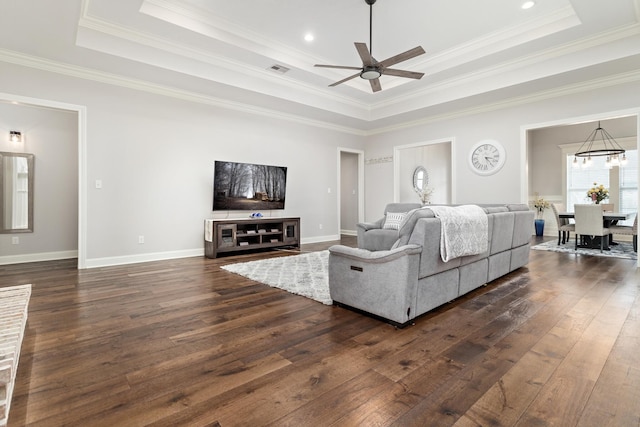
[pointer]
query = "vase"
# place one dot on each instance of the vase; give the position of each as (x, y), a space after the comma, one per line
(539, 223)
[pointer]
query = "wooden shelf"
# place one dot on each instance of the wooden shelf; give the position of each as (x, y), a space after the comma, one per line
(231, 235)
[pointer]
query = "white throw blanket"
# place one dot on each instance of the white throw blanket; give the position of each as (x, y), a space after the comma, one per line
(464, 230)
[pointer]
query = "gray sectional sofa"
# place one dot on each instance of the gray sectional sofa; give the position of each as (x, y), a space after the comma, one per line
(399, 274)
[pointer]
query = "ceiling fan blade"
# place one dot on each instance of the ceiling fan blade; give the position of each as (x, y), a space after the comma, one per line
(363, 51)
(344, 80)
(402, 73)
(375, 85)
(342, 67)
(411, 53)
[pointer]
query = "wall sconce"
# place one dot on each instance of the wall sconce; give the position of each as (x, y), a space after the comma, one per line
(15, 136)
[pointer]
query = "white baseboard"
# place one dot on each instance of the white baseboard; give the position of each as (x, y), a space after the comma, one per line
(138, 258)
(130, 259)
(43, 256)
(349, 232)
(320, 239)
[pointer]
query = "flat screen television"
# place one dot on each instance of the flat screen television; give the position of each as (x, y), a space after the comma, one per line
(247, 186)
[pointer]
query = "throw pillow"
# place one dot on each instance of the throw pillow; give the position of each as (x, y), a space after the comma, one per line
(393, 220)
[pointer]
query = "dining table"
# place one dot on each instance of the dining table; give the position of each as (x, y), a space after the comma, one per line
(608, 218)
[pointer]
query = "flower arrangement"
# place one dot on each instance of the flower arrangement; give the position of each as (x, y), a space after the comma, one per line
(598, 193)
(540, 204)
(425, 195)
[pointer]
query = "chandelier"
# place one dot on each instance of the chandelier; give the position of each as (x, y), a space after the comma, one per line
(609, 147)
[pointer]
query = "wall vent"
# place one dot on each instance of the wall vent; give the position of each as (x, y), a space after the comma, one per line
(279, 68)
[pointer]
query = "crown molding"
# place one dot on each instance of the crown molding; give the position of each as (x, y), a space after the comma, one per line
(498, 41)
(112, 79)
(524, 62)
(203, 22)
(212, 26)
(603, 82)
(21, 59)
(628, 143)
(285, 86)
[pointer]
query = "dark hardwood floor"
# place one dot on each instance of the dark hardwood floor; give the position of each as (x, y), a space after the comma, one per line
(184, 343)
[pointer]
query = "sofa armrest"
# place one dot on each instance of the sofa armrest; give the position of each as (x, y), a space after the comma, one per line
(383, 283)
(373, 237)
(370, 225)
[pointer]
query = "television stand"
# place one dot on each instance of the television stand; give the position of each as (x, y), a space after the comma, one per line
(236, 235)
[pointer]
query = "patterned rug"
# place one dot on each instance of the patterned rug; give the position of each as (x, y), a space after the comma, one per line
(305, 274)
(621, 250)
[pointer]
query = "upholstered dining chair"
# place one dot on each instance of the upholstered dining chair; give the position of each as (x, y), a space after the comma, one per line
(589, 222)
(564, 227)
(628, 231)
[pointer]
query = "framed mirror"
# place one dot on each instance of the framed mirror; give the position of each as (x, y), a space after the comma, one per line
(16, 193)
(420, 179)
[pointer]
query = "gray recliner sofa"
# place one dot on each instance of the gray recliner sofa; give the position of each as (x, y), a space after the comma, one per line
(399, 274)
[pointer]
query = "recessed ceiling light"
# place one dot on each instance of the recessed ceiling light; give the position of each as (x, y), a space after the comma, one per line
(528, 4)
(308, 37)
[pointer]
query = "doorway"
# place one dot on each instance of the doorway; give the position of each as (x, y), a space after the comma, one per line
(436, 158)
(546, 146)
(80, 112)
(350, 190)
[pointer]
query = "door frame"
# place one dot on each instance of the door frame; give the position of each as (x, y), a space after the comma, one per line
(360, 154)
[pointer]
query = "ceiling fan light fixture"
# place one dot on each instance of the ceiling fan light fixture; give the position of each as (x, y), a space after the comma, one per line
(370, 73)
(372, 69)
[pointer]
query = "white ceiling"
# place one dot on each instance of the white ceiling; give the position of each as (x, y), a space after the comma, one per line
(222, 51)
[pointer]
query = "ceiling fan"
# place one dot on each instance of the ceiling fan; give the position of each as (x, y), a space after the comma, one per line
(371, 69)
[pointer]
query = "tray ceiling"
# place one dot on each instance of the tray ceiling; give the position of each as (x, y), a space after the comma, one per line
(225, 51)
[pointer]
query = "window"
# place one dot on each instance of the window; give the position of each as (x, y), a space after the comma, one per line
(622, 183)
(580, 180)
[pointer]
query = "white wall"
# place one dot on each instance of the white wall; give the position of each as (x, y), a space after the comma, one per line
(504, 123)
(52, 136)
(154, 156)
(436, 159)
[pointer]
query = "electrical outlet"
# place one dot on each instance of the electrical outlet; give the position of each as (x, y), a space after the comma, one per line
(320, 226)
(15, 240)
(98, 184)
(140, 239)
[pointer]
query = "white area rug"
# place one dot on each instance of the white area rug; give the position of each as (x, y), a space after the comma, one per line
(306, 274)
(621, 250)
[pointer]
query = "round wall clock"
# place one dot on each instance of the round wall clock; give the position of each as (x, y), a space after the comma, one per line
(487, 157)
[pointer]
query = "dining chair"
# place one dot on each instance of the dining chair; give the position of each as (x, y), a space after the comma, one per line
(564, 227)
(628, 231)
(589, 223)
